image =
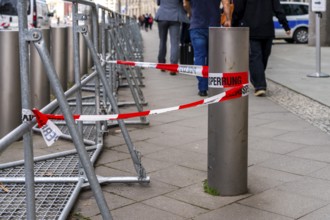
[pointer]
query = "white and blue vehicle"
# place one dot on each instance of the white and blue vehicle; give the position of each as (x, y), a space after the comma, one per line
(297, 16)
(37, 12)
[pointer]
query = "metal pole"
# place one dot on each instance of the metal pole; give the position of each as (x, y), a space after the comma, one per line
(228, 121)
(76, 63)
(26, 104)
(10, 85)
(318, 72)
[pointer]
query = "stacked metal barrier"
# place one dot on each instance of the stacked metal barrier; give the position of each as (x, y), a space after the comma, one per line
(47, 187)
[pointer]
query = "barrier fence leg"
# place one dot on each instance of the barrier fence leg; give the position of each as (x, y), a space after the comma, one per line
(134, 154)
(26, 104)
(75, 134)
(228, 121)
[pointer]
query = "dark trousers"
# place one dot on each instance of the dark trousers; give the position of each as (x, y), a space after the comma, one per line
(260, 50)
(173, 27)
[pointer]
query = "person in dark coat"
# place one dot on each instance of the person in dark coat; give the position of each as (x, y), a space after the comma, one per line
(169, 17)
(258, 16)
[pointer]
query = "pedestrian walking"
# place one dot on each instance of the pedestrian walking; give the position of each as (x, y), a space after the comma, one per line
(258, 16)
(169, 17)
(204, 14)
(150, 21)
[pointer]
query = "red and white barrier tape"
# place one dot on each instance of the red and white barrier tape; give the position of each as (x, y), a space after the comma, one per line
(225, 79)
(51, 133)
(192, 70)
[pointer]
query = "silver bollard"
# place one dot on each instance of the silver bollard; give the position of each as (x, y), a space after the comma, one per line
(58, 49)
(10, 86)
(82, 55)
(40, 87)
(70, 65)
(228, 121)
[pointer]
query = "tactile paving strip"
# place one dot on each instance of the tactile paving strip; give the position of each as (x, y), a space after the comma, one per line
(306, 108)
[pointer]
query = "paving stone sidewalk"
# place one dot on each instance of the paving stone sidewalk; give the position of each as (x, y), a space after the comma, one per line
(288, 165)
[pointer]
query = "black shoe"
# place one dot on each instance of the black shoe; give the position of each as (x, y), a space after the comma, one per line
(202, 93)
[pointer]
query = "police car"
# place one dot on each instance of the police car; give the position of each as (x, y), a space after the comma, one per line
(297, 16)
(37, 12)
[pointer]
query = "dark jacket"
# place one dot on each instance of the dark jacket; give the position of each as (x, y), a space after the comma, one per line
(258, 16)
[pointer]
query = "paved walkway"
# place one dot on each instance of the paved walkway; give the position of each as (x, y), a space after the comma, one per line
(288, 173)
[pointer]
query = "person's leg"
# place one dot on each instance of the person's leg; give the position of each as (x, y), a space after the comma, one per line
(199, 40)
(266, 50)
(257, 69)
(162, 30)
(174, 29)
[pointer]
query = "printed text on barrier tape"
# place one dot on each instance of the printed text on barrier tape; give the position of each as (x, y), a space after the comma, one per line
(216, 80)
(227, 80)
(51, 132)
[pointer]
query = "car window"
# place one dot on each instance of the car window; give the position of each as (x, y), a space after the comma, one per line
(8, 7)
(287, 9)
(299, 10)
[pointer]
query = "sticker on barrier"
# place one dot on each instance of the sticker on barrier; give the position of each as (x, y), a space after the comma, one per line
(27, 115)
(51, 133)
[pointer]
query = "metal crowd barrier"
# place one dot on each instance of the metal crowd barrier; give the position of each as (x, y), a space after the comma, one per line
(66, 173)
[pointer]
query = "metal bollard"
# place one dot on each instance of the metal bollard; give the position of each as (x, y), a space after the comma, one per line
(10, 86)
(40, 87)
(70, 71)
(228, 121)
(82, 55)
(59, 52)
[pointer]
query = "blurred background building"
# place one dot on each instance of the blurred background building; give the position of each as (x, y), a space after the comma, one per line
(63, 11)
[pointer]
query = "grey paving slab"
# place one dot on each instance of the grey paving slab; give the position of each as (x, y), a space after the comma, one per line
(317, 153)
(257, 171)
(306, 137)
(175, 155)
(311, 187)
(265, 132)
(142, 146)
(140, 192)
(274, 146)
(293, 165)
(259, 156)
(320, 214)
(240, 212)
(87, 205)
(109, 156)
(179, 176)
(322, 173)
(142, 211)
(284, 203)
(198, 147)
(195, 195)
(149, 164)
(174, 206)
